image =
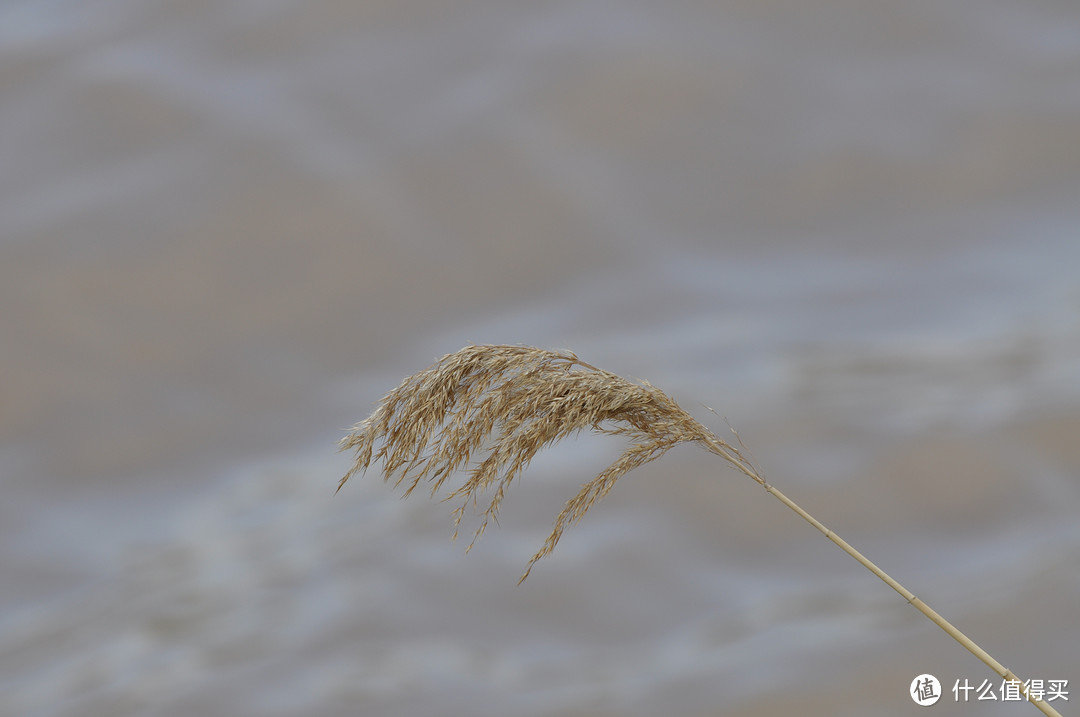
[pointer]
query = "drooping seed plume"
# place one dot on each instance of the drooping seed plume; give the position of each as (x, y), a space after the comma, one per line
(487, 410)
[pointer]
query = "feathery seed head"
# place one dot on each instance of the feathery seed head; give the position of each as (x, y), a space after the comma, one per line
(505, 403)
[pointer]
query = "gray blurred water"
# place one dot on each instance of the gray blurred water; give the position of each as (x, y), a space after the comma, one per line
(227, 228)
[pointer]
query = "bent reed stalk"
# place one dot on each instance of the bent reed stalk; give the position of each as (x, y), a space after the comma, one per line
(509, 402)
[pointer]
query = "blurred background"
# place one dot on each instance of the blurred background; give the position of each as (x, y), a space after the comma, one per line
(226, 229)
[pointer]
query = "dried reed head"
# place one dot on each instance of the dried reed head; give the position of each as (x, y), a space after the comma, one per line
(506, 403)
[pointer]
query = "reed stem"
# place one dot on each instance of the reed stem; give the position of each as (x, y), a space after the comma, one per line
(720, 448)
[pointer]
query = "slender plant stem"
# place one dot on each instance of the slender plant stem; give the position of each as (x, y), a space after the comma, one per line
(723, 450)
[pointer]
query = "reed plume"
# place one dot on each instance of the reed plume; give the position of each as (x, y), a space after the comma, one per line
(506, 403)
(509, 402)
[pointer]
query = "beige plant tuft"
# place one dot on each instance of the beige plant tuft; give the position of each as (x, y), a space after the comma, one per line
(505, 403)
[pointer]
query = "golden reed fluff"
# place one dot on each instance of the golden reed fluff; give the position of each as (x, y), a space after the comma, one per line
(506, 403)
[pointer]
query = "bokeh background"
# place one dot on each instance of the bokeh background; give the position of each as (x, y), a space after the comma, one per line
(227, 228)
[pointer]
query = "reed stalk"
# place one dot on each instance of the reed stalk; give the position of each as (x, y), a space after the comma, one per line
(506, 403)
